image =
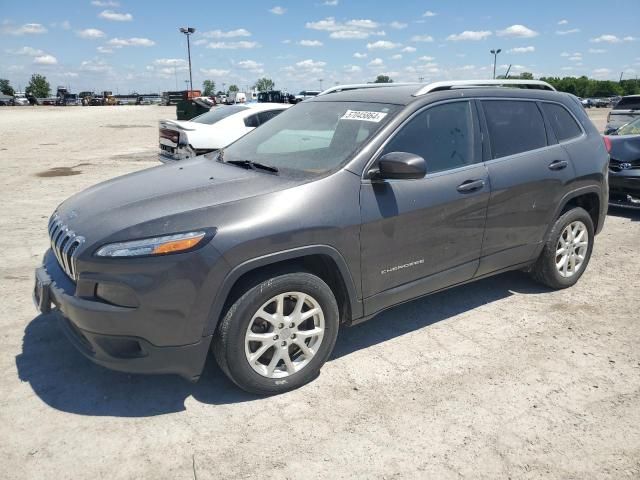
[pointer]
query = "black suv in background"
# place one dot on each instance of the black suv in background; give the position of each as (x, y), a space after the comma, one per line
(340, 207)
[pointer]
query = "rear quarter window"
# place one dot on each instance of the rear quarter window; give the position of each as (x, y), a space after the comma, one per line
(562, 122)
(514, 126)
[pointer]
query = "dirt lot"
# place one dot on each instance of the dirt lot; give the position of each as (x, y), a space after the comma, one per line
(497, 379)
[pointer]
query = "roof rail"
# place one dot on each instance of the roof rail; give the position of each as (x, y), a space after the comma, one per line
(452, 84)
(358, 86)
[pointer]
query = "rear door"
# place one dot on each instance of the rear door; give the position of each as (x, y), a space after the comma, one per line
(421, 235)
(529, 172)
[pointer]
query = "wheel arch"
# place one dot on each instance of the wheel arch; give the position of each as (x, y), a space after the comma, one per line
(322, 260)
(589, 198)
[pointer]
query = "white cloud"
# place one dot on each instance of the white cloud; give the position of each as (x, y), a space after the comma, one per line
(109, 3)
(409, 49)
(352, 68)
(131, 42)
(608, 38)
(91, 33)
(94, 66)
(469, 35)
(352, 29)
(243, 44)
(349, 35)
(240, 32)
(567, 32)
(383, 45)
(45, 60)
(563, 22)
(426, 59)
(278, 10)
(398, 25)
(517, 31)
(170, 62)
(422, 38)
(26, 29)
(597, 50)
(115, 16)
(331, 3)
(251, 65)
(565, 54)
(397, 56)
(214, 72)
(26, 51)
(429, 13)
(360, 55)
(376, 62)
(102, 49)
(522, 49)
(310, 64)
(310, 43)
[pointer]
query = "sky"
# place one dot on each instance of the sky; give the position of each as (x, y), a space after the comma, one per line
(135, 45)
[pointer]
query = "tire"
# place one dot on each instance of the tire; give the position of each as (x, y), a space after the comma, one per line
(550, 269)
(255, 315)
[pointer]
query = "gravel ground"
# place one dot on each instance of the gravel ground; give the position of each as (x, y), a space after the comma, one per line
(497, 379)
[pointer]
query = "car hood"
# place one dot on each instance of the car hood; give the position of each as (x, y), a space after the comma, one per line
(185, 125)
(625, 148)
(165, 199)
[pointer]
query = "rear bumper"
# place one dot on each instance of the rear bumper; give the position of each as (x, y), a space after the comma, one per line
(127, 353)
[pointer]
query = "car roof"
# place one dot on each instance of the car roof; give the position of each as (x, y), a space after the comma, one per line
(267, 105)
(406, 94)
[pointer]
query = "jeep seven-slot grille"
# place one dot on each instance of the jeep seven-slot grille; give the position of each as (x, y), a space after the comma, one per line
(64, 244)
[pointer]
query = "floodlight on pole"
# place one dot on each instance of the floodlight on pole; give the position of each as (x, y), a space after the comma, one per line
(188, 31)
(495, 59)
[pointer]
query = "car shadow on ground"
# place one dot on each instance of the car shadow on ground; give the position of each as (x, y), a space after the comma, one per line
(66, 381)
(632, 214)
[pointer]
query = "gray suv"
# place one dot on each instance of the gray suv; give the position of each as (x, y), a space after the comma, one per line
(343, 206)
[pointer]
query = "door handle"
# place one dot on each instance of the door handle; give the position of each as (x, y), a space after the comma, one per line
(470, 186)
(558, 165)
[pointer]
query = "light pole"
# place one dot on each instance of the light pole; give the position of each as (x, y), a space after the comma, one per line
(320, 80)
(188, 31)
(495, 59)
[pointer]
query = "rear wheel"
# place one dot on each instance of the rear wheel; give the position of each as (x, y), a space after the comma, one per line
(567, 251)
(278, 334)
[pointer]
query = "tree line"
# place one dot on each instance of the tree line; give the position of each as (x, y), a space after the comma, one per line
(580, 86)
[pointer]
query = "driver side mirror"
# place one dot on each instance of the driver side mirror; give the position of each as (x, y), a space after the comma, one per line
(399, 166)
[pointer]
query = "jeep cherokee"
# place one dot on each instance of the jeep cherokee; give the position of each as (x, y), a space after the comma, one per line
(343, 206)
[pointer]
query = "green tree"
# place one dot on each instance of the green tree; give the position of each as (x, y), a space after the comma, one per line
(264, 84)
(383, 79)
(5, 87)
(38, 86)
(233, 88)
(208, 88)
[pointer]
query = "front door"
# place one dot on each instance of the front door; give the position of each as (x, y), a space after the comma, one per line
(418, 236)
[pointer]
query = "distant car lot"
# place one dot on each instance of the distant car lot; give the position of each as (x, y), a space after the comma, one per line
(491, 380)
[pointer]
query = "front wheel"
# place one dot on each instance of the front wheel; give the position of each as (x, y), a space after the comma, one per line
(567, 251)
(278, 334)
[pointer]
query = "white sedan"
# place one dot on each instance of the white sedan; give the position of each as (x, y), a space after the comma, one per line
(211, 131)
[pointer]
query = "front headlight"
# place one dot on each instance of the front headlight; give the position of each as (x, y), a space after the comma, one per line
(176, 243)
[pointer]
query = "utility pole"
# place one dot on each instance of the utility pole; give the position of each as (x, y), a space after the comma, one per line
(621, 73)
(495, 59)
(188, 31)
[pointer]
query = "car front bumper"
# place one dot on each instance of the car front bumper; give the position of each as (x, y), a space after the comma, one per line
(624, 188)
(54, 293)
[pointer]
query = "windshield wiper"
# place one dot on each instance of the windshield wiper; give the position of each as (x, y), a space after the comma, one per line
(254, 165)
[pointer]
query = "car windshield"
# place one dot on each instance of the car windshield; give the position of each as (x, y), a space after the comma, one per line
(312, 137)
(631, 128)
(216, 114)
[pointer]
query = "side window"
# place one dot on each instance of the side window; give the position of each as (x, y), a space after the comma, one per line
(562, 122)
(252, 121)
(442, 135)
(514, 126)
(268, 115)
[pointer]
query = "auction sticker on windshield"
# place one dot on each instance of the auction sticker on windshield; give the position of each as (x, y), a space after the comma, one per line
(363, 116)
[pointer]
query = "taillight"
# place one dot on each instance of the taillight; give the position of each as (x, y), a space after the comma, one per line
(607, 143)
